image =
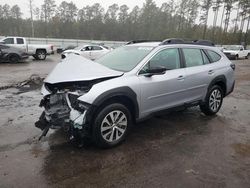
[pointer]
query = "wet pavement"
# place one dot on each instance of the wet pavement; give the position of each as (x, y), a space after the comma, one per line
(180, 149)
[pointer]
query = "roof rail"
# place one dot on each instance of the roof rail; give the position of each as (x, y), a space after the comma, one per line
(141, 41)
(204, 42)
(181, 41)
(172, 41)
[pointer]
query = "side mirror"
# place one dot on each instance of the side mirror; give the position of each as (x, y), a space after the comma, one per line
(241, 49)
(157, 70)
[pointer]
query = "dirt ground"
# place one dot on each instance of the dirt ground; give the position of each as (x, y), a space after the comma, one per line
(181, 149)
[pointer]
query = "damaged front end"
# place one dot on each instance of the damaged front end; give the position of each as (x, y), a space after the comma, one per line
(62, 109)
(68, 81)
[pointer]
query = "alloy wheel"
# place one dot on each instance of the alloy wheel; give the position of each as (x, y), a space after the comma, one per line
(215, 100)
(114, 125)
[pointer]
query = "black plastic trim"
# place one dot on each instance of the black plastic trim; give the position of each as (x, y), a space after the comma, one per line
(122, 92)
(220, 78)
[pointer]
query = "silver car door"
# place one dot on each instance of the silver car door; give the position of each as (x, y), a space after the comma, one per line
(199, 73)
(159, 92)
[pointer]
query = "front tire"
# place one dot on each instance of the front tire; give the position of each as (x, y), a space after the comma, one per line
(111, 125)
(213, 101)
(13, 58)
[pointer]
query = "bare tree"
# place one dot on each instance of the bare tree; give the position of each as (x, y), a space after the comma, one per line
(205, 6)
(31, 17)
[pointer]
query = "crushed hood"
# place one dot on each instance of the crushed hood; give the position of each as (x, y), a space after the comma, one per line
(77, 68)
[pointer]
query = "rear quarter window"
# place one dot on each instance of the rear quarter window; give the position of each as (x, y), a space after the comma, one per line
(213, 56)
(19, 41)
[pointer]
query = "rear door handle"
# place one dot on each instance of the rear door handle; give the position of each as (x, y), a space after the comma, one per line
(210, 71)
(181, 77)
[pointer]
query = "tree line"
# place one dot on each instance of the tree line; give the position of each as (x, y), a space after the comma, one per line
(182, 18)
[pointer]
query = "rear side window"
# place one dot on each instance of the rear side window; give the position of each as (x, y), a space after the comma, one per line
(19, 41)
(96, 48)
(213, 56)
(9, 41)
(205, 58)
(193, 57)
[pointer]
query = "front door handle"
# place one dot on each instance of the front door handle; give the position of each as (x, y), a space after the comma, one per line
(210, 71)
(181, 77)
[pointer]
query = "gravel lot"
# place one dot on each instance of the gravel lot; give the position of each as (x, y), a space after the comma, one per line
(181, 149)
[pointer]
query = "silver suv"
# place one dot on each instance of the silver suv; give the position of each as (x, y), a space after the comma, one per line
(101, 100)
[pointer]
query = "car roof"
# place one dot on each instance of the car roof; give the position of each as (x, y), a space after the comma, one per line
(144, 44)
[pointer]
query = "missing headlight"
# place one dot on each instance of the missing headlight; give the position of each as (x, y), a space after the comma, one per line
(77, 104)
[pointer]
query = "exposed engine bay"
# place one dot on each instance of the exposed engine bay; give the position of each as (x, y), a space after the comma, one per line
(62, 109)
(70, 80)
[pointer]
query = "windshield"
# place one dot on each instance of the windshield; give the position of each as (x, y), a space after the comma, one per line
(232, 47)
(124, 58)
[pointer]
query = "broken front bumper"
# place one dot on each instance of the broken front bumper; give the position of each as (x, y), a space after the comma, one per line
(62, 110)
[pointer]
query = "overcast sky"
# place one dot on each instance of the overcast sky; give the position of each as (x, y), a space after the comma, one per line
(105, 3)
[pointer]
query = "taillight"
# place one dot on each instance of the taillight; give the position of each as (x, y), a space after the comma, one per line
(232, 66)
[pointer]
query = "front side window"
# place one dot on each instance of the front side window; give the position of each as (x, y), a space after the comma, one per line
(193, 57)
(124, 58)
(87, 48)
(168, 58)
(213, 55)
(9, 41)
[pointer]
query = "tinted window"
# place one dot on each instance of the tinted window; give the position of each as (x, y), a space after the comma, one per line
(19, 41)
(96, 48)
(213, 55)
(193, 57)
(168, 58)
(205, 58)
(87, 48)
(9, 41)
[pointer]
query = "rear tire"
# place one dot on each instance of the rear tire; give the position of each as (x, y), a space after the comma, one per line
(13, 58)
(213, 101)
(40, 55)
(111, 125)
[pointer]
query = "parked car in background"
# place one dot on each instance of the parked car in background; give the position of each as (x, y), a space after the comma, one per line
(88, 51)
(59, 50)
(101, 100)
(236, 52)
(38, 51)
(11, 54)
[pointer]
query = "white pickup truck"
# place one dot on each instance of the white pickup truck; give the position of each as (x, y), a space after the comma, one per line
(236, 52)
(38, 51)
